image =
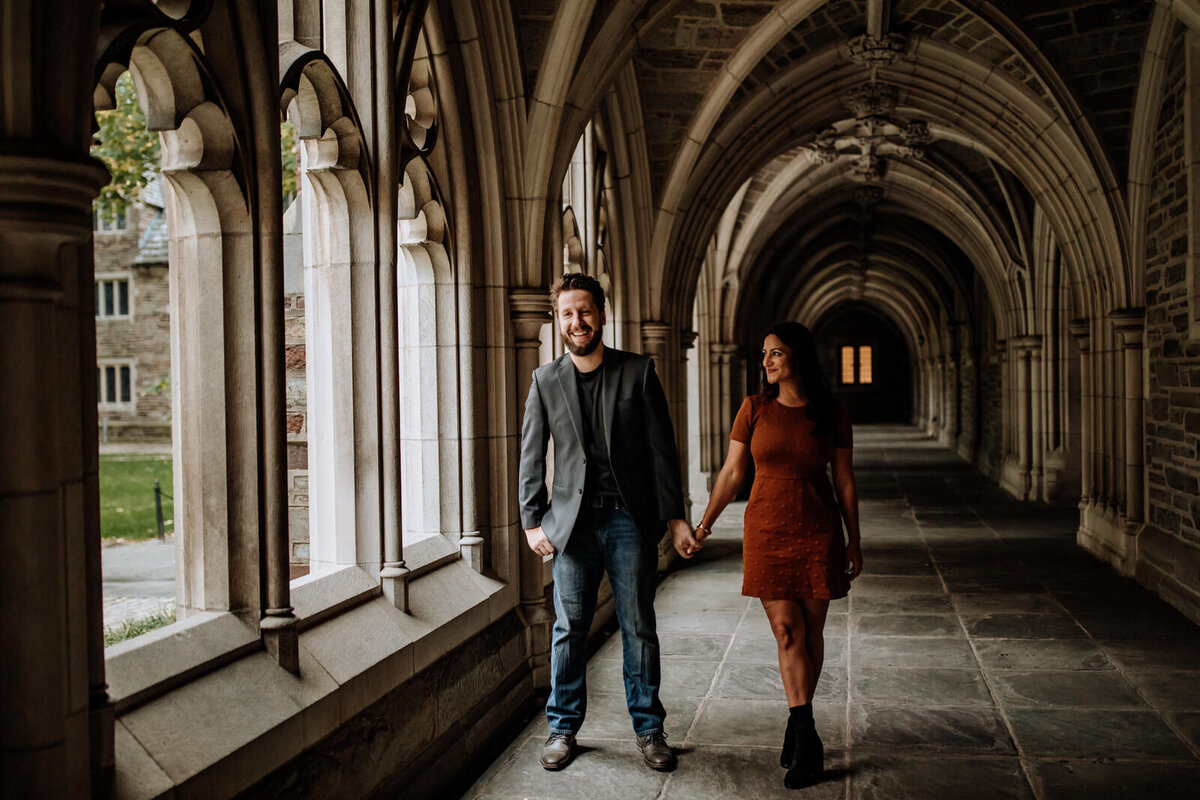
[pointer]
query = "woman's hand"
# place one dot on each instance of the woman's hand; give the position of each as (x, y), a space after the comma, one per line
(854, 560)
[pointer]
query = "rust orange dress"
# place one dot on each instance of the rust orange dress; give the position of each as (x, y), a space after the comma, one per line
(793, 545)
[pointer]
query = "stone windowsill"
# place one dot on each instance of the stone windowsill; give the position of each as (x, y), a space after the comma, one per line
(222, 732)
(154, 664)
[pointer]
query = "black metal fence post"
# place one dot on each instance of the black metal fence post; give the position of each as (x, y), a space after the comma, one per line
(158, 508)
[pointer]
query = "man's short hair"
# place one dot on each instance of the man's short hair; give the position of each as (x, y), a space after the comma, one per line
(578, 280)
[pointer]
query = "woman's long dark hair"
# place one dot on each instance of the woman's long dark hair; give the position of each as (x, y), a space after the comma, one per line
(807, 367)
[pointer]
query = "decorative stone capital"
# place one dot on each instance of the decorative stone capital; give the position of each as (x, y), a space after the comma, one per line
(687, 339)
(530, 310)
(881, 51)
(1025, 345)
(1081, 329)
(655, 336)
(1130, 323)
(722, 350)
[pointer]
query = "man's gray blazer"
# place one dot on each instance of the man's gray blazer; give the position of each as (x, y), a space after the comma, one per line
(637, 430)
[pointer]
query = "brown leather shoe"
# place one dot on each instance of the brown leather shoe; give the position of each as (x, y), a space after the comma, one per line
(656, 752)
(558, 751)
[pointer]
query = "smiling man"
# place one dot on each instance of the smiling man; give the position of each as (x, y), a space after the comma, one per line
(616, 480)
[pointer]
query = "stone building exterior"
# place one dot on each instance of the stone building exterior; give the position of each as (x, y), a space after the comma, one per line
(1014, 188)
(133, 323)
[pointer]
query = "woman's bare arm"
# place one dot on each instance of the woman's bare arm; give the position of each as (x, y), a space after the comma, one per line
(847, 494)
(726, 487)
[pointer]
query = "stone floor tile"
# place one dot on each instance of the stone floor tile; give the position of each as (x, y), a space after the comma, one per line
(602, 769)
(1130, 780)
(1031, 654)
(993, 603)
(904, 625)
(679, 678)
(722, 773)
(925, 686)
(1075, 733)
(1139, 626)
(699, 601)
(880, 775)
(1133, 654)
(699, 622)
(898, 651)
(758, 647)
(897, 603)
(904, 584)
(749, 679)
(1188, 725)
(1022, 626)
(760, 722)
(607, 716)
(1167, 689)
(945, 730)
(1051, 688)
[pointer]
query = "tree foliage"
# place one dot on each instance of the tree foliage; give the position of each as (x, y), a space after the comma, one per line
(130, 152)
(291, 161)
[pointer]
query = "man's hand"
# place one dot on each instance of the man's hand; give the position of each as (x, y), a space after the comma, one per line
(538, 542)
(685, 543)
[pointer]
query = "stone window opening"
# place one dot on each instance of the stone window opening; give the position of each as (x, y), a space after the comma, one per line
(856, 365)
(117, 224)
(114, 384)
(114, 298)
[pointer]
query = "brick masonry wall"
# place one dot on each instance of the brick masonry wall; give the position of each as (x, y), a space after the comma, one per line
(297, 428)
(144, 338)
(1169, 547)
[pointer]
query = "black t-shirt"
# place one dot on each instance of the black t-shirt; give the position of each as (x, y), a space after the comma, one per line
(599, 478)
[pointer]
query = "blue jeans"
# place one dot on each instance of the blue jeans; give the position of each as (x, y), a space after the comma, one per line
(605, 540)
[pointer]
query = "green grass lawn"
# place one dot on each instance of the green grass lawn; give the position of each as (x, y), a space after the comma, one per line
(127, 496)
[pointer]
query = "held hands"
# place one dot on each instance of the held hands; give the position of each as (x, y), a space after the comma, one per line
(686, 543)
(538, 542)
(854, 560)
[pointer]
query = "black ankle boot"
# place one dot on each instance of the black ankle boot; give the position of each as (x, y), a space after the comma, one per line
(806, 757)
(789, 742)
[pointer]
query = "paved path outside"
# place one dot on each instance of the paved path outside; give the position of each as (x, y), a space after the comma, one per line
(982, 655)
(139, 579)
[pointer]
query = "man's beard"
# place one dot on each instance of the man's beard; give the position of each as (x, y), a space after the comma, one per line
(585, 349)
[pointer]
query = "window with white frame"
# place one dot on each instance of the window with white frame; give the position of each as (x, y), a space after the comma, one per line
(104, 225)
(112, 298)
(114, 384)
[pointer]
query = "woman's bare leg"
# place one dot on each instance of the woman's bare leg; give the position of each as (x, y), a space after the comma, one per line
(787, 618)
(815, 612)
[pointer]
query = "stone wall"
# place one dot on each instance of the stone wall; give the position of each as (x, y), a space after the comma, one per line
(1169, 546)
(297, 431)
(144, 338)
(990, 458)
(426, 731)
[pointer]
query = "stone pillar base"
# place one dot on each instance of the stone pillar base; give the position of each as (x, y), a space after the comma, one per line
(1108, 537)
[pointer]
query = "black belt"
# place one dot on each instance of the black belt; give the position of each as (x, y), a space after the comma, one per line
(611, 501)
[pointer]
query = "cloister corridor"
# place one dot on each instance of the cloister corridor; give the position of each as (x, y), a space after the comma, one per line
(982, 654)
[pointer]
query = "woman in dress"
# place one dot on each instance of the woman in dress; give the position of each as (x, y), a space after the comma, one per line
(795, 558)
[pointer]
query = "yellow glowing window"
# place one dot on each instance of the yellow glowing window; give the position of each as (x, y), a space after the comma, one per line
(847, 365)
(864, 364)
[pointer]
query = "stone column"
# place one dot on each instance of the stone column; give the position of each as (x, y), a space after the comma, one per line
(1025, 346)
(655, 343)
(1081, 330)
(56, 718)
(530, 310)
(687, 340)
(1037, 401)
(1130, 323)
(724, 399)
(954, 386)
